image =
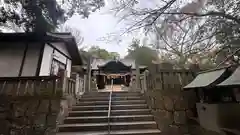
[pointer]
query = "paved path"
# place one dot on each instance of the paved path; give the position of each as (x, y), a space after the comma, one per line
(115, 88)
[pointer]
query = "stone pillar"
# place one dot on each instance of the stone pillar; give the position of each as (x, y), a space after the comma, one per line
(63, 74)
(89, 69)
(84, 83)
(137, 77)
(77, 87)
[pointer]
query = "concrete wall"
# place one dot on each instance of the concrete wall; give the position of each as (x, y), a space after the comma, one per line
(11, 56)
(216, 116)
(208, 116)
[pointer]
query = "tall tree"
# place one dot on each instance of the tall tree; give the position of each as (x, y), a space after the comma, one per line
(219, 19)
(43, 15)
(102, 53)
(142, 54)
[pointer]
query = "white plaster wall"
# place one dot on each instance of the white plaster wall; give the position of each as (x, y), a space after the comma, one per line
(31, 60)
(58, 56)
(10, 59)
(46, 61)
(69, 66)
(11, 55)
(48, 56)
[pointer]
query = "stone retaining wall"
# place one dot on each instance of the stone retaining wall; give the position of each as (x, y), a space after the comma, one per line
(173, 109)
(31, 117)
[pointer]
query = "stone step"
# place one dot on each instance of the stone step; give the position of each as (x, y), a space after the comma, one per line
(105, 126)
(83, 127)
(120, 132)
(122, 94)
(84, 133)
(133, 125)
(90, 95)
(127, 98)
(86, 119)
(127, 102)
(137, 132)
(104, 119)
(88, 113)
(131, 106)
(113, 98)
(131, 118)
(131, 112)
(94, 99)
(89, 108)
(92, 103)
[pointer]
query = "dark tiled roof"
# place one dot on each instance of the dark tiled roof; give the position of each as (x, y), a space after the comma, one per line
(67, 38)
(233, 80)
(100, 62)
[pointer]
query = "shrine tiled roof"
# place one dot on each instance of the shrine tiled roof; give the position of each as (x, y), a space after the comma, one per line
(100, 62)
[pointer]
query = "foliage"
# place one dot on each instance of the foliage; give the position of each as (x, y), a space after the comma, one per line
(195, 26)
(142, 54)
(96, 51)
(43, 15)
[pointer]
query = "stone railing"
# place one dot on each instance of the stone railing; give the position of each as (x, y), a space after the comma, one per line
(42, 86)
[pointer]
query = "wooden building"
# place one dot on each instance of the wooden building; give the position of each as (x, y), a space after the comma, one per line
(116, 71)
(218, 95)
(35, 55)
(31, 54)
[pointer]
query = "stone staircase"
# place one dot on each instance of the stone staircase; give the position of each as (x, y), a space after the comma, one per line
(129, 115)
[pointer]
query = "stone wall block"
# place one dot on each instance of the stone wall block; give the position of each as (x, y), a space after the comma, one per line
(180, 117)
(163, 118)
(168, 103)
(180, 104)
(189, 113)
(40, 120)
(159, 103)
(43, 106)
(154, 101)
(172, 130)
(52, 119)
(55, 106)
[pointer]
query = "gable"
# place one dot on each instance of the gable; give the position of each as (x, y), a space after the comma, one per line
(61, 47)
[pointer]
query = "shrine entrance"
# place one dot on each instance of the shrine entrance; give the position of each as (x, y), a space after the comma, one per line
(113, 73)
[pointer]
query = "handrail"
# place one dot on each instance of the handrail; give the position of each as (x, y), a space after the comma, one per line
(109, 110)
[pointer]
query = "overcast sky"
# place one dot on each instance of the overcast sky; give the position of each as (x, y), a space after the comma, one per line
(100, 24)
